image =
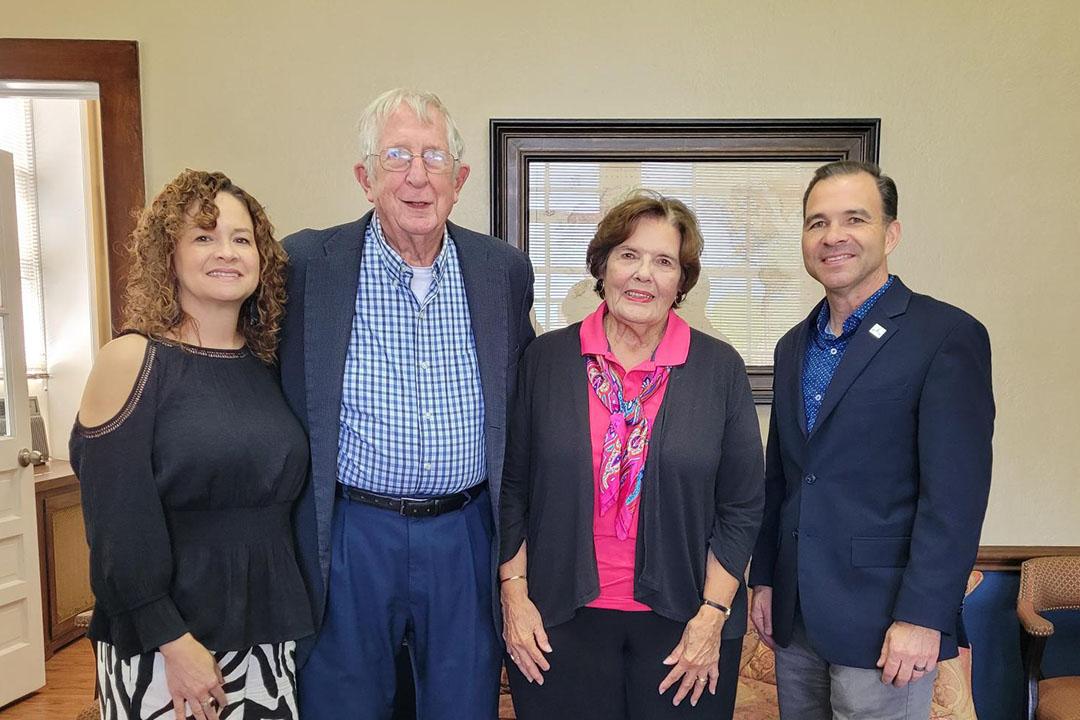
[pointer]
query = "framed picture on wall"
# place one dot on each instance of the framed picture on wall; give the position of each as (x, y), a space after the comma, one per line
(552, 181)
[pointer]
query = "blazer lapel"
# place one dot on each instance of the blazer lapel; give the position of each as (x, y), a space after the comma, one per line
(330, 303)
(485, 281)
(795, 375)
(864, 345)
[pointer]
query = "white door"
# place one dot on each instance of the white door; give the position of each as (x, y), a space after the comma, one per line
(22, 645)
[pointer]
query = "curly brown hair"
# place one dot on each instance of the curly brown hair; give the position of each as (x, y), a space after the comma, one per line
(152, 299)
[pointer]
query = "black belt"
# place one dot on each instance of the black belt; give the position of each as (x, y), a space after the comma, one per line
(414, 507)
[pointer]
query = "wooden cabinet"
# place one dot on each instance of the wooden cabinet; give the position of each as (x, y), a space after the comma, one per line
(65, 558)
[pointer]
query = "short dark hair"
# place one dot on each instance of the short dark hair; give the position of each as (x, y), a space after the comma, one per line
(885, 185)
(620, 222)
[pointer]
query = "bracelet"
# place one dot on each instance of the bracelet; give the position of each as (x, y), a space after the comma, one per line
(512, 577)
(724, 609)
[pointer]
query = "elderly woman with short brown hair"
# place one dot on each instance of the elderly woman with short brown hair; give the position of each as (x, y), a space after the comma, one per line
(632, 493)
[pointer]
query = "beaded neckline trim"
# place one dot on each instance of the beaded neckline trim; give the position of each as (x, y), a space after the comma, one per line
(206, 352)
(129, 406)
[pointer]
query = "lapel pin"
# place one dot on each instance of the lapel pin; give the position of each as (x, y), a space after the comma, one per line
(877, 331)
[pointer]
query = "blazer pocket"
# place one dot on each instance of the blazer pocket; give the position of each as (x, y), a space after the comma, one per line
(879, 393)
(880, 551)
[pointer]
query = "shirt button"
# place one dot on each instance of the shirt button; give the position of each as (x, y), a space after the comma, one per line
(424, 365)
(832, 351)
(817, 397)
(810, 479)
(428, 415)
(427, 466)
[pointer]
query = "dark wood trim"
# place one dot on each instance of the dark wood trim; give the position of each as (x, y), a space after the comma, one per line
(761, 383)
(1009, 557)
(114, 66)
(1031, 654)
(516, 143)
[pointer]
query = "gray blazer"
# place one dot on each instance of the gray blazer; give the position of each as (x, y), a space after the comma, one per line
(324, 266)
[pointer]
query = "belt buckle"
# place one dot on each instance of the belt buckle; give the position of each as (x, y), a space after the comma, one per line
(404, 501)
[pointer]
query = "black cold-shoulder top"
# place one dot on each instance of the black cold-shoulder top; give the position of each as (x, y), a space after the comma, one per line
(187, 494)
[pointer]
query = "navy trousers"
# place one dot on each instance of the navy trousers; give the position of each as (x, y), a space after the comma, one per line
(392, 577)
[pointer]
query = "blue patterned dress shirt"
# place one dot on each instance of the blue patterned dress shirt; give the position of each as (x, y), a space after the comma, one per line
(412, 406)
(824, 351)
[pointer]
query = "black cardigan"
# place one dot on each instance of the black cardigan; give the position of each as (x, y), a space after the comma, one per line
(703, 487)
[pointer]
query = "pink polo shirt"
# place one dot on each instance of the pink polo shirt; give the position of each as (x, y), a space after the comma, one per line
(614, 557)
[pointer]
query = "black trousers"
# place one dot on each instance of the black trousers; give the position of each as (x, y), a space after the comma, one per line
(606, 665)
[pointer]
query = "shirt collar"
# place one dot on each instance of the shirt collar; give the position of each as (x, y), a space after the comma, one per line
(851, 324)
(672, 350)
(399, 271)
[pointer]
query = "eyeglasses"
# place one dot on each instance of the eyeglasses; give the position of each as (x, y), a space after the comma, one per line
(399, 159)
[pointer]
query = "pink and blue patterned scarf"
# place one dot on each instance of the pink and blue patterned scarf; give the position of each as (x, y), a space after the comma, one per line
(626, 442)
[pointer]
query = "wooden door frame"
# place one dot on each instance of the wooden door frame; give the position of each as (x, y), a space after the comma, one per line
(114, 66)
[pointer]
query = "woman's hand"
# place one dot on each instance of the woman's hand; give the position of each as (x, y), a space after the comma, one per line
(193, 677)
(697, 657)
(523, 631)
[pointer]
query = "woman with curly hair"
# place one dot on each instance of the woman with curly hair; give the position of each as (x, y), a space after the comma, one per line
(189, 462)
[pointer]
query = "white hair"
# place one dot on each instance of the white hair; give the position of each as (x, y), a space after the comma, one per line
(422, 103)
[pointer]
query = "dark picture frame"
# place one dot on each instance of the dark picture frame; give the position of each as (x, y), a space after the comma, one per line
(516, 143)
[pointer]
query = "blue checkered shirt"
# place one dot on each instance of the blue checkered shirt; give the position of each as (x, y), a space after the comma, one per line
(824, 351)
(412, 408)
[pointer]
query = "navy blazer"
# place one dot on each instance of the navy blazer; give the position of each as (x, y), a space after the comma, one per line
(876, 515)
(324, 267)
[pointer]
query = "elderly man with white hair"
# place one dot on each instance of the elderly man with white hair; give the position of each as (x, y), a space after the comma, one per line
(399, 352)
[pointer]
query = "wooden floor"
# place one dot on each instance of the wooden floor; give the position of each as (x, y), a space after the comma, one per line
(69, 686)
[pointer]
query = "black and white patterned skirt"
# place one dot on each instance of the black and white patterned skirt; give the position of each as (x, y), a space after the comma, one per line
(260, 684)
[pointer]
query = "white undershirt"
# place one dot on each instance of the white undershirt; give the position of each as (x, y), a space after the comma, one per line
(421, 282)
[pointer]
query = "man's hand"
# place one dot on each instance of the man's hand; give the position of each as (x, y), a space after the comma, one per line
(908, 653)
(761, 614)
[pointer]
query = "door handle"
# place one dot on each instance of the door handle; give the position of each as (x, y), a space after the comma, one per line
(26, 457)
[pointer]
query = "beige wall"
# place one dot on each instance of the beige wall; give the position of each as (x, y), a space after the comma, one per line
(980, 108)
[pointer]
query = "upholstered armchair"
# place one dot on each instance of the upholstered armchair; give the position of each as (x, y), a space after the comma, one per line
(1049, 583)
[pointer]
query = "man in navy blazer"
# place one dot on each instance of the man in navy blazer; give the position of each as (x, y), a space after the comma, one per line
(877, 470)
(399, 350)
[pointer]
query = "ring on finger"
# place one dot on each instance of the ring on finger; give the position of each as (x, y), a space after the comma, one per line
(208, 701)
(920, 669)
(703, 679)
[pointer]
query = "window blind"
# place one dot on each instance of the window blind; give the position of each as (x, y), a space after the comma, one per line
(753, 287)
(17, 137)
